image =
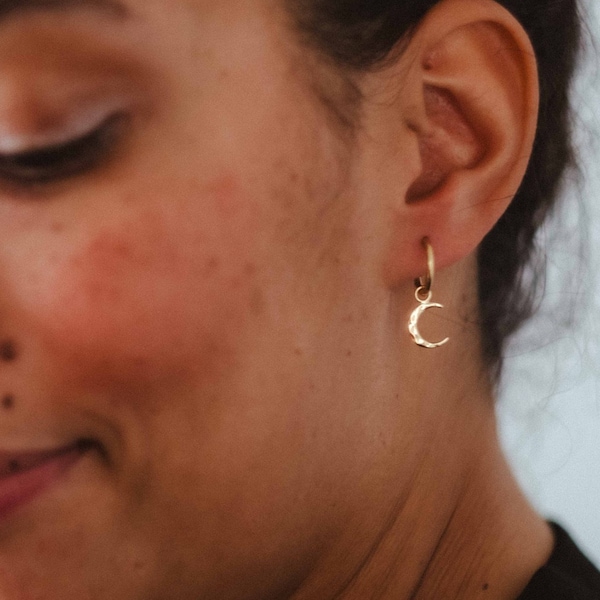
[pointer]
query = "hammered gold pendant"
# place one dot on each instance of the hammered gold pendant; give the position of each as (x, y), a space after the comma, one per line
(413, 326)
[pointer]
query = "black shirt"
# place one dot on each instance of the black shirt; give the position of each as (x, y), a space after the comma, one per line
(568, 575)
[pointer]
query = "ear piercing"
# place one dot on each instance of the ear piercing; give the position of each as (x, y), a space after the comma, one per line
(424, 294)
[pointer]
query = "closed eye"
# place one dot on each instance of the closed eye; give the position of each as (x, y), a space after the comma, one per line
(54, 163)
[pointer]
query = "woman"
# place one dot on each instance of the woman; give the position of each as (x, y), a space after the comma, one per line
(212, 216)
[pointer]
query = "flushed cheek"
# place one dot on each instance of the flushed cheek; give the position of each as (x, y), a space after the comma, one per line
(157, 296)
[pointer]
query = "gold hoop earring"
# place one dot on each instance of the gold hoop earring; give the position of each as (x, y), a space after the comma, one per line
(424, 294)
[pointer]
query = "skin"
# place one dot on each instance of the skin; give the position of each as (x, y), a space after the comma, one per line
(222, 305)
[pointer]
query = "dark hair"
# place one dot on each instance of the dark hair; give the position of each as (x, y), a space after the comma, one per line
(360, 34)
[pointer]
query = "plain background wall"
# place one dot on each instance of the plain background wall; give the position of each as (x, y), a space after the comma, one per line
(549, 411)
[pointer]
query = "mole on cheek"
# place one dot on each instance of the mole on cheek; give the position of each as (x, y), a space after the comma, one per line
(8, 351)
(8, 401)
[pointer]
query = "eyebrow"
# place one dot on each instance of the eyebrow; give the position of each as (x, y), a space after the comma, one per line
(12, 8)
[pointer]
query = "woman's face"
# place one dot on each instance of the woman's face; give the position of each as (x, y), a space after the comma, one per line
(181, 304)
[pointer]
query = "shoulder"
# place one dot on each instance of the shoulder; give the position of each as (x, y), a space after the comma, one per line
(568, 575)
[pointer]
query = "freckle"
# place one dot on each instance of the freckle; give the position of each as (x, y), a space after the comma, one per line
(486, 587)
(412, 126)
(139, 565)
(349, 353)
(212, 265)
(57, 227)
(250, 269)
(8, 401)
(8, 351)
(297, 352)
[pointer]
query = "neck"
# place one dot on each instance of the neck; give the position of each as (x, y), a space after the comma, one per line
(436, 513)
(453, 523)
(454, 535)
(489, 545)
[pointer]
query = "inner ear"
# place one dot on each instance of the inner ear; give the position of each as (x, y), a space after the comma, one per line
(449, 143)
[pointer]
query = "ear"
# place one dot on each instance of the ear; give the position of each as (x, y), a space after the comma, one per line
(465, 111)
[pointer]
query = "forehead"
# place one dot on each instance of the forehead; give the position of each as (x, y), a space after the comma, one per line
(123, 8)
(191, 19)
(170, 23)
(110, 8)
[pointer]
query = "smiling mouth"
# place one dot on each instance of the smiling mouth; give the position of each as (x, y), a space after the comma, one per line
(26, 475)
(13, 463)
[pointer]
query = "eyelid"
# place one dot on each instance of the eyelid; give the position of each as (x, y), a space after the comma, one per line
(34, 174)
(77, 124)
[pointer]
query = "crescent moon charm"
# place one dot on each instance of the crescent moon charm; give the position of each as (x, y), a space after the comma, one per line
(413, 326)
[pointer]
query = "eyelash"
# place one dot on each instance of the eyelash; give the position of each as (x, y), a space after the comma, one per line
(55, 163)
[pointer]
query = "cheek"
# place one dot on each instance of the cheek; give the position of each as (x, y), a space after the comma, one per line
(158, 295)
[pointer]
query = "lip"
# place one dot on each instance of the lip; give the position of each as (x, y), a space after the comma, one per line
(25, 476)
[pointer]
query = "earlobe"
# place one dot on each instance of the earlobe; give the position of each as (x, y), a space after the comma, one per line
(476, 92)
